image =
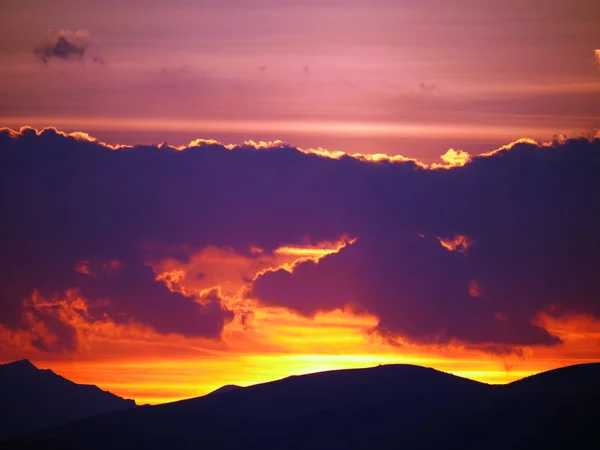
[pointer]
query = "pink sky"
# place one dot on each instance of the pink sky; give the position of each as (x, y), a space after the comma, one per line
(400, 77)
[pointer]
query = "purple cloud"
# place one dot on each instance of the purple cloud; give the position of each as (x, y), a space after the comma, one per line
(520, 227)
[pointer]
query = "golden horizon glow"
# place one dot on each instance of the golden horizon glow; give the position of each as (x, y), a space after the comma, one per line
(336, 340)
(134, 361)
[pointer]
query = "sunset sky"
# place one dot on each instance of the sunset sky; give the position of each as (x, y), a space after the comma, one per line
(201, 193)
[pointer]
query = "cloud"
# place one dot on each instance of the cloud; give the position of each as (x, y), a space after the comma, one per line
(597, 56)
(428, 87)
(457, 243)
(65, 45)
(519, 211)
(425, 296)
(471, 254)
(452, 158)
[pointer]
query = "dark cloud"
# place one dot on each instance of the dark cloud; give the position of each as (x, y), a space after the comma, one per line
(417, 288)
(519, 228)
(66, 45)
(532, 216)
(58, 336)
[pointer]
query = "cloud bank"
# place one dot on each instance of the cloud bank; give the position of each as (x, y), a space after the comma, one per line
(473, 253)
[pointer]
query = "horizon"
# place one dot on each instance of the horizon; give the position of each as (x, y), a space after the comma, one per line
(198, 194)
(310, 373)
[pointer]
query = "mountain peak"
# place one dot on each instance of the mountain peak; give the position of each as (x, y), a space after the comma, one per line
(35, 398)
(22, 364)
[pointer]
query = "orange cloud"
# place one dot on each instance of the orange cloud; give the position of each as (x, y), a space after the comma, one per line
(474, 289)
(109, 267)
(458, 243)
(135, 361)
(228, 271)
(310, 252)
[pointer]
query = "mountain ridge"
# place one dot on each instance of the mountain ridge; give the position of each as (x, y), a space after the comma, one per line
(383, 407)
(34, 398)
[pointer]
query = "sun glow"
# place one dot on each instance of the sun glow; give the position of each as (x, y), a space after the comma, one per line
(265, 343)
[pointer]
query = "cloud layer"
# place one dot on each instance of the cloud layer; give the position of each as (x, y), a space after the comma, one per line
(471, 254)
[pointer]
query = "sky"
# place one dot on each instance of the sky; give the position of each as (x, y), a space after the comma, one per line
(201, 193)
(413, 77)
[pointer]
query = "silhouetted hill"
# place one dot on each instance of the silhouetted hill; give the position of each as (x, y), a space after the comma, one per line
(31, 399)
(558, 409)
(226, 388)
(386, 407)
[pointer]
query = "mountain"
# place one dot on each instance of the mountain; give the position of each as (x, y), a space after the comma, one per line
(31, 399)
(386, 407)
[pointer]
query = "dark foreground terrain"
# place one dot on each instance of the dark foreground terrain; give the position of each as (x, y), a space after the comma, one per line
(386, 407)
(31, 399)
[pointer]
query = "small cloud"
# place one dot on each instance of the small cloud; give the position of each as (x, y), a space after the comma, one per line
(112, 266)
(474, 289)
(428, 87)
(66, 45)
(108, 268)
(452, 158)
(455, 158)
(63, 44)
(83, 267)
(459, 243)
(256, 250)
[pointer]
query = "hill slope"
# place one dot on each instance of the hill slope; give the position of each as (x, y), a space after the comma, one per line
(387, 407)
(31, 399)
